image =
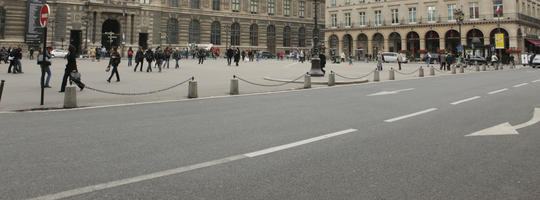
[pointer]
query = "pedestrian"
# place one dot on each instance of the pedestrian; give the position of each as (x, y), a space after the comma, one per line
(243, 56)
(71, 67)
(201, 55)
(139, 59)
(93, 54)
(15, 61)
(342, 56)
(449, 61)
(177, 56)
(494, 60)
(98, 53)
(322, 58)
(237, 56)
(167, 57)
(149, 58)
(159, 56)
(428, 59)
(32, 53)
(442, 61)
(302, 56)
(379, 61)
(399, 60)
(130, 56)
(45, 67)
(229, 54)
(114, 62)
(103, 52)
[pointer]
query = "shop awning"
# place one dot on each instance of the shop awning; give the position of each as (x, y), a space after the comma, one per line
(535, 42)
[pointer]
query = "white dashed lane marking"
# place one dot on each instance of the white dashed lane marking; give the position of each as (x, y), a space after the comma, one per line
(519, 85)
(411, 115)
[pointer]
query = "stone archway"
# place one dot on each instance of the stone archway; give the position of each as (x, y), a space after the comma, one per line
(394, 42)
(362, 45)
(378, 43)
(347, 44)
(413, 43)
(451, 40)
(475, 42)
(334, 45)
(110, 33)
(500, 52)
(432, 41)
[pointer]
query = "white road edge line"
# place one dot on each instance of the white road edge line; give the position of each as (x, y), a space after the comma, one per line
(117, 183)
(299, 143)
(410, 115)
(519, 85)
(465, 100)
(498, 91)
(536, 81)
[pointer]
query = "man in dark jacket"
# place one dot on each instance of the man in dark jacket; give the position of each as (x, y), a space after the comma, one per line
(230, 54)
(322, 58)
(139, 59)
(114, 62)
(177, 56)
(237, 56)
(159, 56)
(149, 58)
(201, 54)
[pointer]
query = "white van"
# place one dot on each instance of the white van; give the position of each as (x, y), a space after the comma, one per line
(392, 57)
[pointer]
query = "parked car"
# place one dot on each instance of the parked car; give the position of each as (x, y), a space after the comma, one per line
(477, 60)
(59, 53)
(392, 57)
(536, 62)
(267, 55)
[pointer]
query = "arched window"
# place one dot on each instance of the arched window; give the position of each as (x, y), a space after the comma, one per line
(254, 35)
(235, 34)
(287, 36)
(216, 5)
(196, 4)
(302, 37)
(173, 3)
(172, 31)
(194, 32)
(215, 33)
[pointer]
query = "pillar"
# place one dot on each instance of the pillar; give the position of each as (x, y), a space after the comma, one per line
(386, 44)
(442, 43)
(369, 47)
(97, 31)
(422, 43)
(403, 43)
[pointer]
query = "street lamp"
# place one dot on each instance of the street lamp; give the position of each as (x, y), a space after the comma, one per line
(459, 19)
(315, 60)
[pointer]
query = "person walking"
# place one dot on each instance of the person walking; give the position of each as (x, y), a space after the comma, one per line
(159, 56)
(230, 54)
(379, 61)
(237, 56)
(45, 67)
(243, 56)
(167, 57)
(149, 58)
(302, 56)
(201, 55)
(139, 59)
(93, 54)
(342, 56)
(442, 61)
(177, 56)
(114, 62)
(31, 53)
(428, 59)
(322, 57)
(98, 53)
(494, 60)
(130, 56)
(449, 59)
(71, 67)
(399, 60)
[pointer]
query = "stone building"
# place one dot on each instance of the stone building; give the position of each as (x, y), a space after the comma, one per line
(360, 27)
(273, 25)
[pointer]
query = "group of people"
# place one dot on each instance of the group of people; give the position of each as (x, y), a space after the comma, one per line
(12, 56)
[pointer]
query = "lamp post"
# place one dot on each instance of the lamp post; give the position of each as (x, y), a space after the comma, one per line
(315, 60)
(87, 21)
(459, 19)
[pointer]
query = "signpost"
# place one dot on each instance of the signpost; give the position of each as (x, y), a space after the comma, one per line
(43, 19)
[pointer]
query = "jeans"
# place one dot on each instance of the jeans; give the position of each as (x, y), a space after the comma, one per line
(129, 62)
(149, 69)
(177, 65)
(166, 64)
(113, 72)
(45, 69)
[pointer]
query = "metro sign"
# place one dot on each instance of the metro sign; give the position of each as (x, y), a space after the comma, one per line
(44, 15)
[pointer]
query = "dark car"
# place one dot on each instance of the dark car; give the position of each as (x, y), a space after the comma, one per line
(476, 60)
(434, 58)
(267, 55)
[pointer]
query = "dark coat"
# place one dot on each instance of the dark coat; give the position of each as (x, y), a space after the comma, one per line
(139, 57)
(71, 62)
(149, 56)
(116, 60)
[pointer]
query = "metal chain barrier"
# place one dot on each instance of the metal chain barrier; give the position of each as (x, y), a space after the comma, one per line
(354, 78)
(440, 70)
(404, 73)
(268, 85)
(139, 93)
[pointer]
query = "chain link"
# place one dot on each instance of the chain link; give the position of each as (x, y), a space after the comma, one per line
(139, 93)
(409, 73)
(354, 78)
(268, 85)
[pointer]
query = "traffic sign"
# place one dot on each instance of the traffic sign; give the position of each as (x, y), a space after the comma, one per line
(44, 15)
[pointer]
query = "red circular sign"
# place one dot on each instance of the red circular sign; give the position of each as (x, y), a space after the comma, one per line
(44, 15)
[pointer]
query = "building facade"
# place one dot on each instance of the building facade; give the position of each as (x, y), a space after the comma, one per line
(363, 27)
(273, 25)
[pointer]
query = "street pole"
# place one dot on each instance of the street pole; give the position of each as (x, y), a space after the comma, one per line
(315, 60)
(87, 22)
(43, 53)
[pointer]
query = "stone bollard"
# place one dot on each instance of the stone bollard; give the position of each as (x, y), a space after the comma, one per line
(461, 69)
(432, 71)
(1, 89)
(477, 68)
(376, 76)
(192, 89)
(483, 67)
(391, 75)
(421, 72)
(307, 81)
(331, 79)
(453, 69)
(70, 97)
(496, 66)
(501, 67)
(234, 86)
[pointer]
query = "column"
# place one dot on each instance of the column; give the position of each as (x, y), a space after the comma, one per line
(97, 30)
(369, 49)
(386, 44)
(422, 43)
(340, 46)
(129, 28)
(403, 43)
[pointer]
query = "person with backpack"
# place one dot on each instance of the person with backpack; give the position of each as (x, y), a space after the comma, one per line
(139, 59)
(130, 56)
(149, 58)
(114, 62)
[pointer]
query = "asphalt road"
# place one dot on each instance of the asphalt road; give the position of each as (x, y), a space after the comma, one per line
(211, 148)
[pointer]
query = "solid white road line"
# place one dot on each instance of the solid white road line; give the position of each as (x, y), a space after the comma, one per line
(410, 115)
(465, 100)
(295, 144)
(536, 81)
(103, 186)
(519, 85)
(497, 91)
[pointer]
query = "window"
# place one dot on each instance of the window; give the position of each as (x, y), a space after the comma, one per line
(235, 34)
(286, 7)
(145, 1)
(215, 33)
(474, 10)
(395, 16)
(412, 15)
(431, 14)
(362, 20)
(173, 3)
(361, 1)
(287, 36)
(301, 9)
(254, 35)
(216, 5)
(196, 4)
(497, 8)
(451, 11)
(302, 37)
(333, 19)
(172, 31)
(348, 19)
(347, 2)
(194, 32)
(236, 5)
(254, 8)
(378, 18)
(271, 6)
(333, 2)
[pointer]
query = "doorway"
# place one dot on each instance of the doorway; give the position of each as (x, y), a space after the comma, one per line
(110, 40)
(143, 40)
(75, 39)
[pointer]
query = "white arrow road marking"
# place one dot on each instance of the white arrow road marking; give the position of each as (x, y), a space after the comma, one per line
(389, 92)
(410, 115)
(536, 81)
(506, 128)
(497, 91)
(465, 100)
(519, 85)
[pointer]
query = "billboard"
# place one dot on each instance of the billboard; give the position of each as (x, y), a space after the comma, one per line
(33, 31)
(499, 41)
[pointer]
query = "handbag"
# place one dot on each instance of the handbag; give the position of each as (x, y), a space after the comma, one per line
(108, 68)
